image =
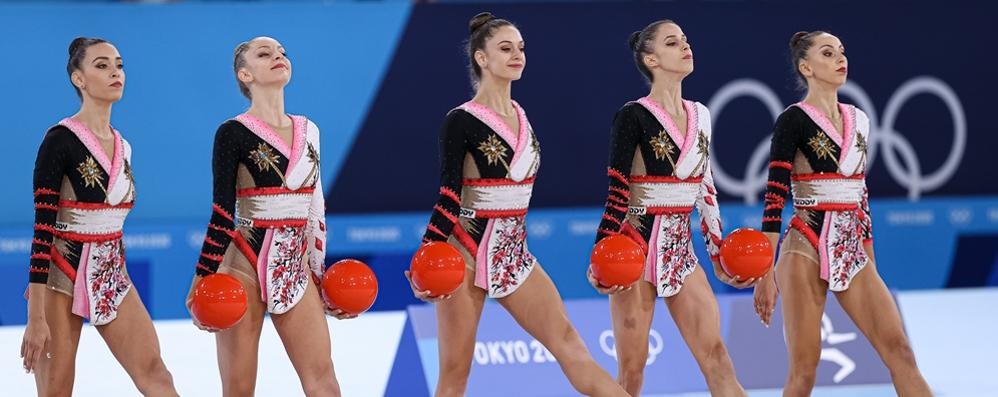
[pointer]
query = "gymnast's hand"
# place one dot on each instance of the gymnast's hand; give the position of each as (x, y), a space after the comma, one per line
(190, 300)
(766, 292)
(602, 289)
(734, 281)
(37, 334)
(424, 295)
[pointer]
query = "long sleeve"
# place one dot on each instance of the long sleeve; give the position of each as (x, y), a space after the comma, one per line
(221, 227)
(781, 156)
(623, 143)
(448, 207)
(50, 167)
(316, 229)
(710, 213)
(865, 219)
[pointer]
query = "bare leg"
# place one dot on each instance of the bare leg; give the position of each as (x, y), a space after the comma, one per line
(695, 312)
(133, 341)
(457, 323)
(632, 312)
(537, 307)
(305, 334)
(54, 376)
(238, 346)
(871, 307)
(804, 294)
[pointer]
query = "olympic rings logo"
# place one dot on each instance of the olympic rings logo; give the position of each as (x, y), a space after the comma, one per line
(655, 345)
(906, 170)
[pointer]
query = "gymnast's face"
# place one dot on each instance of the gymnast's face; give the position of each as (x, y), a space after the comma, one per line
(825, 62)
(671, 52)
(503, 56)
(101, 75)
(266, 65)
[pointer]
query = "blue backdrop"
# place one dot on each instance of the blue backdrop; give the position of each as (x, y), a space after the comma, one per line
(378, 78)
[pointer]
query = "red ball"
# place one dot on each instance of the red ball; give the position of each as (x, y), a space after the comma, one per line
(351, 286)
(219, 301)
(617, 261)
(746, 253)
(437, 267)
